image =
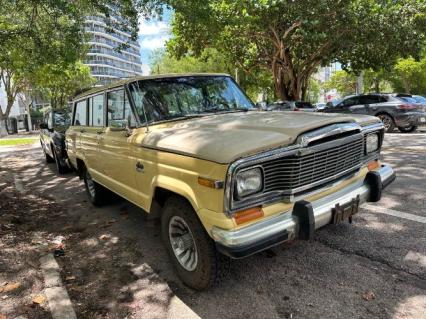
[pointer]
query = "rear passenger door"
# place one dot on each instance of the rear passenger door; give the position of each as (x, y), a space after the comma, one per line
(91, 135)
(79, 123)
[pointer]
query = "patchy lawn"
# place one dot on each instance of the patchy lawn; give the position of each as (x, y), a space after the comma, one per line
(17, 141)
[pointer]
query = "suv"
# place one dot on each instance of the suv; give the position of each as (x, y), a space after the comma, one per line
(394, 110)
(52, 138)
(226, 179)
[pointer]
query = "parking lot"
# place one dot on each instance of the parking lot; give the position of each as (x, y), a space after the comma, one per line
(114, 265)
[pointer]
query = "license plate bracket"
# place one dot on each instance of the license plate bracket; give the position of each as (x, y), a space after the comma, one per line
(344, 212)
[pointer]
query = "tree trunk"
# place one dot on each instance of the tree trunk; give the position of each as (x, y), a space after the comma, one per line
(3, 130)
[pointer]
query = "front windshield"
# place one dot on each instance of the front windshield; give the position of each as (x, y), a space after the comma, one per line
(171, 98)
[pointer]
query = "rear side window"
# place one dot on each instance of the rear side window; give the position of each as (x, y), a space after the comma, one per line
(96, 109)
(80, 114)
(369, 99)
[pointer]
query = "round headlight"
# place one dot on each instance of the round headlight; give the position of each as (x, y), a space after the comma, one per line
(248, 182)
(372, 143)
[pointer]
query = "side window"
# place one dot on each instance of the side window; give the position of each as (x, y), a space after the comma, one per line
(350, 102)
(80, 114)
(368, 99)
(119, 108)
(97, 105)
(128, 114)
(116, 105)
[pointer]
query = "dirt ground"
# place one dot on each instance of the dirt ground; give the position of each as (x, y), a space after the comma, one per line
(113, 263)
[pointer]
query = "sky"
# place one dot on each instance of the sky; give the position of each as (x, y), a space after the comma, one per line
(153, 35)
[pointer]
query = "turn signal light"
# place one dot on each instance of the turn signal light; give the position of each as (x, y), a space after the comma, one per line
(247, 215)
(373, 165)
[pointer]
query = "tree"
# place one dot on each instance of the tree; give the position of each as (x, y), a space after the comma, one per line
(343, 82)
(211, 60)
(293, 38)
(409, 76)
(59, 84)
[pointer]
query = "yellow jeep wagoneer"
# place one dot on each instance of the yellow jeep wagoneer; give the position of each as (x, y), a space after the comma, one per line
(226, 179)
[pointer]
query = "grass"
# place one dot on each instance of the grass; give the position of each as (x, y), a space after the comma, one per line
(17, 141)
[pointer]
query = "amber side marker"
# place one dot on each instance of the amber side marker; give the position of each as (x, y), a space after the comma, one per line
(247, 215)
(373, 165)
(210, 183)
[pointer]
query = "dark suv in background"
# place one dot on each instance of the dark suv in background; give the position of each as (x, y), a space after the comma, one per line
(52, 138)
(395, 110)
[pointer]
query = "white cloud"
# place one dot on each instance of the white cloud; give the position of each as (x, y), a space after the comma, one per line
(153, 43)
(151, 28)
(146, 70)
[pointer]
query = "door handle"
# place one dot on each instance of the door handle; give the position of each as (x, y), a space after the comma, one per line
(139, 167)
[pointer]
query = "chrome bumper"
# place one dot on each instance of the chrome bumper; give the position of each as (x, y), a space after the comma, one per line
(290, 224)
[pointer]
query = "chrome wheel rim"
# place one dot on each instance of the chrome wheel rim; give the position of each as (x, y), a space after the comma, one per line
(386, 121)
(183, 243)
(90, 184)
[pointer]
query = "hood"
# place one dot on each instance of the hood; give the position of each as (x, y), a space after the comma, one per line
(223, 138)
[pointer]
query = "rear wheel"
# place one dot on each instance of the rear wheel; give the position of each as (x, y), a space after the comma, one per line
(408, 129)
(193, 253)
(98, 194)
(387, 122)
(60, 166)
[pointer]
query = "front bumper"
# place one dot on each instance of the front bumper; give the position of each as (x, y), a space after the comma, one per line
(302, 220)
(410, 119)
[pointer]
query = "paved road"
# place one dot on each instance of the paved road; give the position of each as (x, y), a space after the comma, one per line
(381, 257)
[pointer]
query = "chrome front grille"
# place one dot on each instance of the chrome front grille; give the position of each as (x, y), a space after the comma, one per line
(289, 174)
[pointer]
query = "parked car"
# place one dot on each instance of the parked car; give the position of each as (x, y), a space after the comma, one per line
(226, 179)
(419, 99)
(52, 138)
(320, 106)
(394, 110)
(291, 106)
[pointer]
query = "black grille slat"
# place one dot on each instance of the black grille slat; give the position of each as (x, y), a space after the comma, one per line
(294, 171)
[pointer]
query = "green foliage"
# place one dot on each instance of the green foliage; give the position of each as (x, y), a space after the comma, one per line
(293, 38)
(58, 84)
(212, 61)
(409, 76)
(343, 82)
(314, 90)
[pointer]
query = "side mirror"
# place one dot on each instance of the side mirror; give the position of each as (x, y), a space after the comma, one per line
(118, 125)
(329, 105)
(43, 126)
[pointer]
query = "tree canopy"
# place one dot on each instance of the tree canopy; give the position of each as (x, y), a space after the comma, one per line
(293, 38)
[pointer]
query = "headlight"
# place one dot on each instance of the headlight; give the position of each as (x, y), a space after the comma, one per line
(248, 182)
(372, 143)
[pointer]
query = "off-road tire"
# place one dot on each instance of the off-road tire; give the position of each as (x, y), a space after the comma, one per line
(211, 266)
(62, 169)
(98, 195)
(409, 129)
(388, 122)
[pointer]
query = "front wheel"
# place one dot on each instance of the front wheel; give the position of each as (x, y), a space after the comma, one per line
(193, 253)
(387, 122)
(408, 129)
(98, 195)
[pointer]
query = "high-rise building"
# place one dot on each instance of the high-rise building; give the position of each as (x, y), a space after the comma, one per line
(108, 64)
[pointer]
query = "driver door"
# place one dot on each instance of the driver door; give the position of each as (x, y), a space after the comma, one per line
(116, 153)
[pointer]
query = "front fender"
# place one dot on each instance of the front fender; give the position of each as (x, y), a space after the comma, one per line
(176, 186)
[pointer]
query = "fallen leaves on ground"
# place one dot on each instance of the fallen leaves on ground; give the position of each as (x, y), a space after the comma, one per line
(10, 287)
(368, 295)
